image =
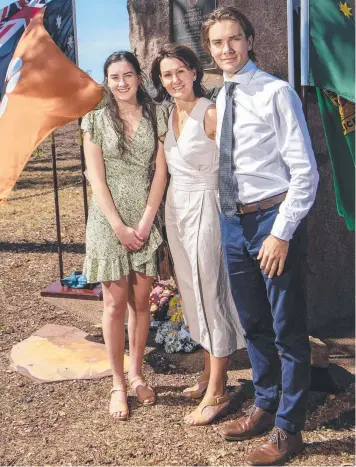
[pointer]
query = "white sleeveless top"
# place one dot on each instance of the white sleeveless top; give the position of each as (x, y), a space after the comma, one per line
(193, 230)
(192, 159)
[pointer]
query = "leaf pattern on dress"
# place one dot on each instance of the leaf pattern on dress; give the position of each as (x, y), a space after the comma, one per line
(127, 177)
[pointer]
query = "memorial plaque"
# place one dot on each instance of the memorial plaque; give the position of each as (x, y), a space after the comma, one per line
(188, 17)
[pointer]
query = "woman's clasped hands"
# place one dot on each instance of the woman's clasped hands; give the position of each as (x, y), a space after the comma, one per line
(133, 238)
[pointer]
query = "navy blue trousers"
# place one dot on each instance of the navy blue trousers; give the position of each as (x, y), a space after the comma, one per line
(273, 315)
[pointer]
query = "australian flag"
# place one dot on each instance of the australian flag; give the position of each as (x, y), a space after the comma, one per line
(58, 20)
(14, 18)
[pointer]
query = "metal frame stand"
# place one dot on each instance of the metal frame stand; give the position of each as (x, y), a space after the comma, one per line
(56, 289)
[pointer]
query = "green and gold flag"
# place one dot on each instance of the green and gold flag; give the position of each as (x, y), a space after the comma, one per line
(332, 72)
(338, 117)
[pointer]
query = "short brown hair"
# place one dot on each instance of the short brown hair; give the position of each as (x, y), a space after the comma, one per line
(222, 14)
(185, 55)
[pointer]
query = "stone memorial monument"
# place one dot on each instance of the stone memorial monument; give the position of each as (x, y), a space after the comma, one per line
(329, 275)
(187, 19)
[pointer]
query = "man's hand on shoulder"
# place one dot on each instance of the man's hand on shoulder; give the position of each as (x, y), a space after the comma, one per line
(273, 254)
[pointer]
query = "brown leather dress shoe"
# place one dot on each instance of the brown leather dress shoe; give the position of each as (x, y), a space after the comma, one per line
(278, 449)
(257, 421)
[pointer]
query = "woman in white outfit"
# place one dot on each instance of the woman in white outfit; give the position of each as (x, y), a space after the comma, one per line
(192, 222)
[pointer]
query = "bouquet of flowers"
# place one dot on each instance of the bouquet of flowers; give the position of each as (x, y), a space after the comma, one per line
(175, 311)
(160, 296)
(175, 337)
(167, 315)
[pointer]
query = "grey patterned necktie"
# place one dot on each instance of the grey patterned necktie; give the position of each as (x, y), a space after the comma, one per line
(226, 181)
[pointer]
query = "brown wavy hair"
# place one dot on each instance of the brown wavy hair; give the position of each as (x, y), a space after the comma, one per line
(222, 14)
(190, 60)
(143, 98)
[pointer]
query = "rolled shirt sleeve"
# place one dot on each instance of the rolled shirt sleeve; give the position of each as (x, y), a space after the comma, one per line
(286, 116)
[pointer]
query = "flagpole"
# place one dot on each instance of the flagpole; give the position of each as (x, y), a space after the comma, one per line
(56, 204)
(80, 136)
(304, 53)
(290, 32)
(82, 163)
(74, 12)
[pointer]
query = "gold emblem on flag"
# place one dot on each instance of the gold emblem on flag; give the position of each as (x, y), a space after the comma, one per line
(346, 110)
(347, 114)
(344, 8)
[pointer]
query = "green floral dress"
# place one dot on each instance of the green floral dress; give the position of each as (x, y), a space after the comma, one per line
(128, 179)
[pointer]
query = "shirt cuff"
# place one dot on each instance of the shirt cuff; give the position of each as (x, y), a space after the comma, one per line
(283, 228)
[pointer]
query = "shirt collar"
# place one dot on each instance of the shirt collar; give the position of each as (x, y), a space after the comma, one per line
(244, 75)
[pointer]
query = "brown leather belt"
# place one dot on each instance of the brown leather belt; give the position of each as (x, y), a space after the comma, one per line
(260, 205)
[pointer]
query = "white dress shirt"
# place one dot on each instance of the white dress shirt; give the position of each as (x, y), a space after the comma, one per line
(272, 151)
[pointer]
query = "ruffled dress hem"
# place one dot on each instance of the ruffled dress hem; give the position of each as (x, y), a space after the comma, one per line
(104, 269)
(101, 270)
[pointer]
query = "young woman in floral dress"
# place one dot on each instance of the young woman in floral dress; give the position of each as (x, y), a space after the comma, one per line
(122, 236)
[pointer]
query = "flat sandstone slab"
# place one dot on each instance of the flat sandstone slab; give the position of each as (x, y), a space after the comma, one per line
(58, 353)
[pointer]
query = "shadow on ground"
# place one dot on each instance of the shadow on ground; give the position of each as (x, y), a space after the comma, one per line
(48, 247)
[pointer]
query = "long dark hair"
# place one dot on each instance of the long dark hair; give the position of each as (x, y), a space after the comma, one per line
(143, 98)
(190, 60)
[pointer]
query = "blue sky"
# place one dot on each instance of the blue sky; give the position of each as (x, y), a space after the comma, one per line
(103, 28)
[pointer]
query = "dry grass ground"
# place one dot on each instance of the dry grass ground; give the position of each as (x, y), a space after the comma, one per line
(67, 423)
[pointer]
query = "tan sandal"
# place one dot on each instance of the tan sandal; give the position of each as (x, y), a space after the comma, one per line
(198, 390)
(118, 406)
(216, 401)
(143, 391)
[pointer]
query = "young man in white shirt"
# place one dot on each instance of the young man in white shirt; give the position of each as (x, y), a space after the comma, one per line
(267, 183)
